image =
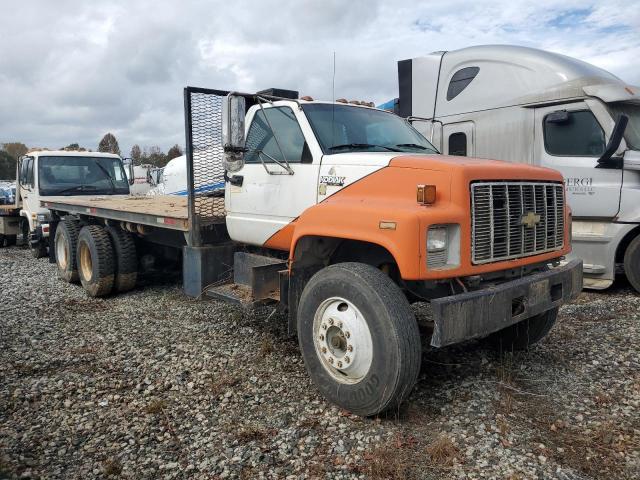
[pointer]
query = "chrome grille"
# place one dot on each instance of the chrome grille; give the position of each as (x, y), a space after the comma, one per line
(500, 211)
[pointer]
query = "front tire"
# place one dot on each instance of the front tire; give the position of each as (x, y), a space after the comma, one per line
(359, 339)
(632, 263)
(522, 335)
(95, 261)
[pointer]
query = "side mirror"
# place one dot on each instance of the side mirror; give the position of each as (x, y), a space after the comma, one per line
(128, 163)
(614, 142)
(559, 116)
(233, 112)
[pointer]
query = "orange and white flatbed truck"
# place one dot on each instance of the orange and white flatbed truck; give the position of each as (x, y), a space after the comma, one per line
(343, 215)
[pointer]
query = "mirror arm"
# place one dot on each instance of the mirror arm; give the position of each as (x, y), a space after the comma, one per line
(605, 161)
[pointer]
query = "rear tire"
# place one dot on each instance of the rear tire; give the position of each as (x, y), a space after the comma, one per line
(126, 259)
(359, 339)
(66, 245)
(522, 335)
(96, 264)
(632, 263)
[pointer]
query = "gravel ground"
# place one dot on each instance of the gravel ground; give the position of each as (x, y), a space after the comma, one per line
(152, 384)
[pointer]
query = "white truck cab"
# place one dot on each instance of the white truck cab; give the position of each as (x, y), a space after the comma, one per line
(541, 108)
(44, 173)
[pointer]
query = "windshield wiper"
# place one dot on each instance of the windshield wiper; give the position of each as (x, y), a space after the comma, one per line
(361, 145)
(106, 172)
(77, 188)
(412, 145)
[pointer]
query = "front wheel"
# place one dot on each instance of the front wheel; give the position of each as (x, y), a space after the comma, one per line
(522, 335)
(359, 339)
(632, 263)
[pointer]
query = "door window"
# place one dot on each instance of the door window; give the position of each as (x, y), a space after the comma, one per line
(262, 143)
(573, 134)
(458, 144)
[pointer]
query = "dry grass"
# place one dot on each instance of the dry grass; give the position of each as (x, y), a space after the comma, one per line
(253, 433)
(266, 347)
(599, 453)
(112, 467)
(442, 452)
(222, 383)
(155, 407)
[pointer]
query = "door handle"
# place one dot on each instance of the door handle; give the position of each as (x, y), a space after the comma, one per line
(236, 180)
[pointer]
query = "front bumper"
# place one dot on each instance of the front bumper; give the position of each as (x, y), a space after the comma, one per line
(481, 312)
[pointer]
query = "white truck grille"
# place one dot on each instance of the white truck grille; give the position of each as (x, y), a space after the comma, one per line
(515, 219)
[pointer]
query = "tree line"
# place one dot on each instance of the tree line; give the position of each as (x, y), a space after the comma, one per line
(10, 153)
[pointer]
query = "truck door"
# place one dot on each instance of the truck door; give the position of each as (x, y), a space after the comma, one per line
(570, 139)
(263, 197)
(27, 186)
(458, 139)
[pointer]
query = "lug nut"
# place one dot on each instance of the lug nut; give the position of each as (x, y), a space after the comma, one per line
(349, 348)
(324, 349)
(324, 327)
(347, 359)
(339, 324)
(331, 321)
(330, 359)
(321, 337)
(347, 334)
(339, 364)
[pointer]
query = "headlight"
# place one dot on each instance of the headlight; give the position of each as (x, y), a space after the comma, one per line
(437, 239)
(443, 246)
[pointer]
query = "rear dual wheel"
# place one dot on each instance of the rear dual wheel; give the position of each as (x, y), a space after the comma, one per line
(96, 267)
(103, 259)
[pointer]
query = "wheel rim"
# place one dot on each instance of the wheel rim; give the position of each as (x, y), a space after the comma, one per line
(62, 254)
(342, 340)
(86, 265)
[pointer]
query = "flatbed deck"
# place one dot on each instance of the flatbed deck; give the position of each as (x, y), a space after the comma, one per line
(8, 209)
(165, 211)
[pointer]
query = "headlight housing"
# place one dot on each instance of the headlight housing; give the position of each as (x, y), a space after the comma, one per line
(443, 246)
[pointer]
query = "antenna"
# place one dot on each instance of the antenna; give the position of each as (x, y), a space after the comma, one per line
(333, 101)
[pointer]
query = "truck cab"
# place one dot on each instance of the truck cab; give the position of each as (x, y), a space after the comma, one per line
(540, 108)
(43, 174)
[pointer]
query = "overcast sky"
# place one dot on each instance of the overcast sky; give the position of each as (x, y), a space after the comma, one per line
(71, 71)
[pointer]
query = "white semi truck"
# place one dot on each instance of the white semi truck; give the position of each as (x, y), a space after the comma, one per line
(540, 108)
(43, 174)
(341, 215)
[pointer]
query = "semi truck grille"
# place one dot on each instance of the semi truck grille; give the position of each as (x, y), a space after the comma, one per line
(515, 219)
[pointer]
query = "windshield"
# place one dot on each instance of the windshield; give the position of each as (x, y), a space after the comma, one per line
(81, 176)
(631, 110)
(363, 129)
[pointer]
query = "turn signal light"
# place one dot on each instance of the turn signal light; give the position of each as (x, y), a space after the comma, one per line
(426, 194)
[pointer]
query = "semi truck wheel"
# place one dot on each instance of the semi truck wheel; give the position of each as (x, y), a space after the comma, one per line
(126, 259)
(359, 338)
(632, 263)
(66, 245)
(522, 335)
(95, 261)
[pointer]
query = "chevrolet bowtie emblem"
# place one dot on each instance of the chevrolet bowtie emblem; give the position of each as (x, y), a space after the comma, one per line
(530, 219)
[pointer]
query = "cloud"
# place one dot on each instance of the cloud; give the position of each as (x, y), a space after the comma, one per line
(72, 70)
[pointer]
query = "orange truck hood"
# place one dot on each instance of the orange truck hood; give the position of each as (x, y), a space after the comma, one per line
(476, 168)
